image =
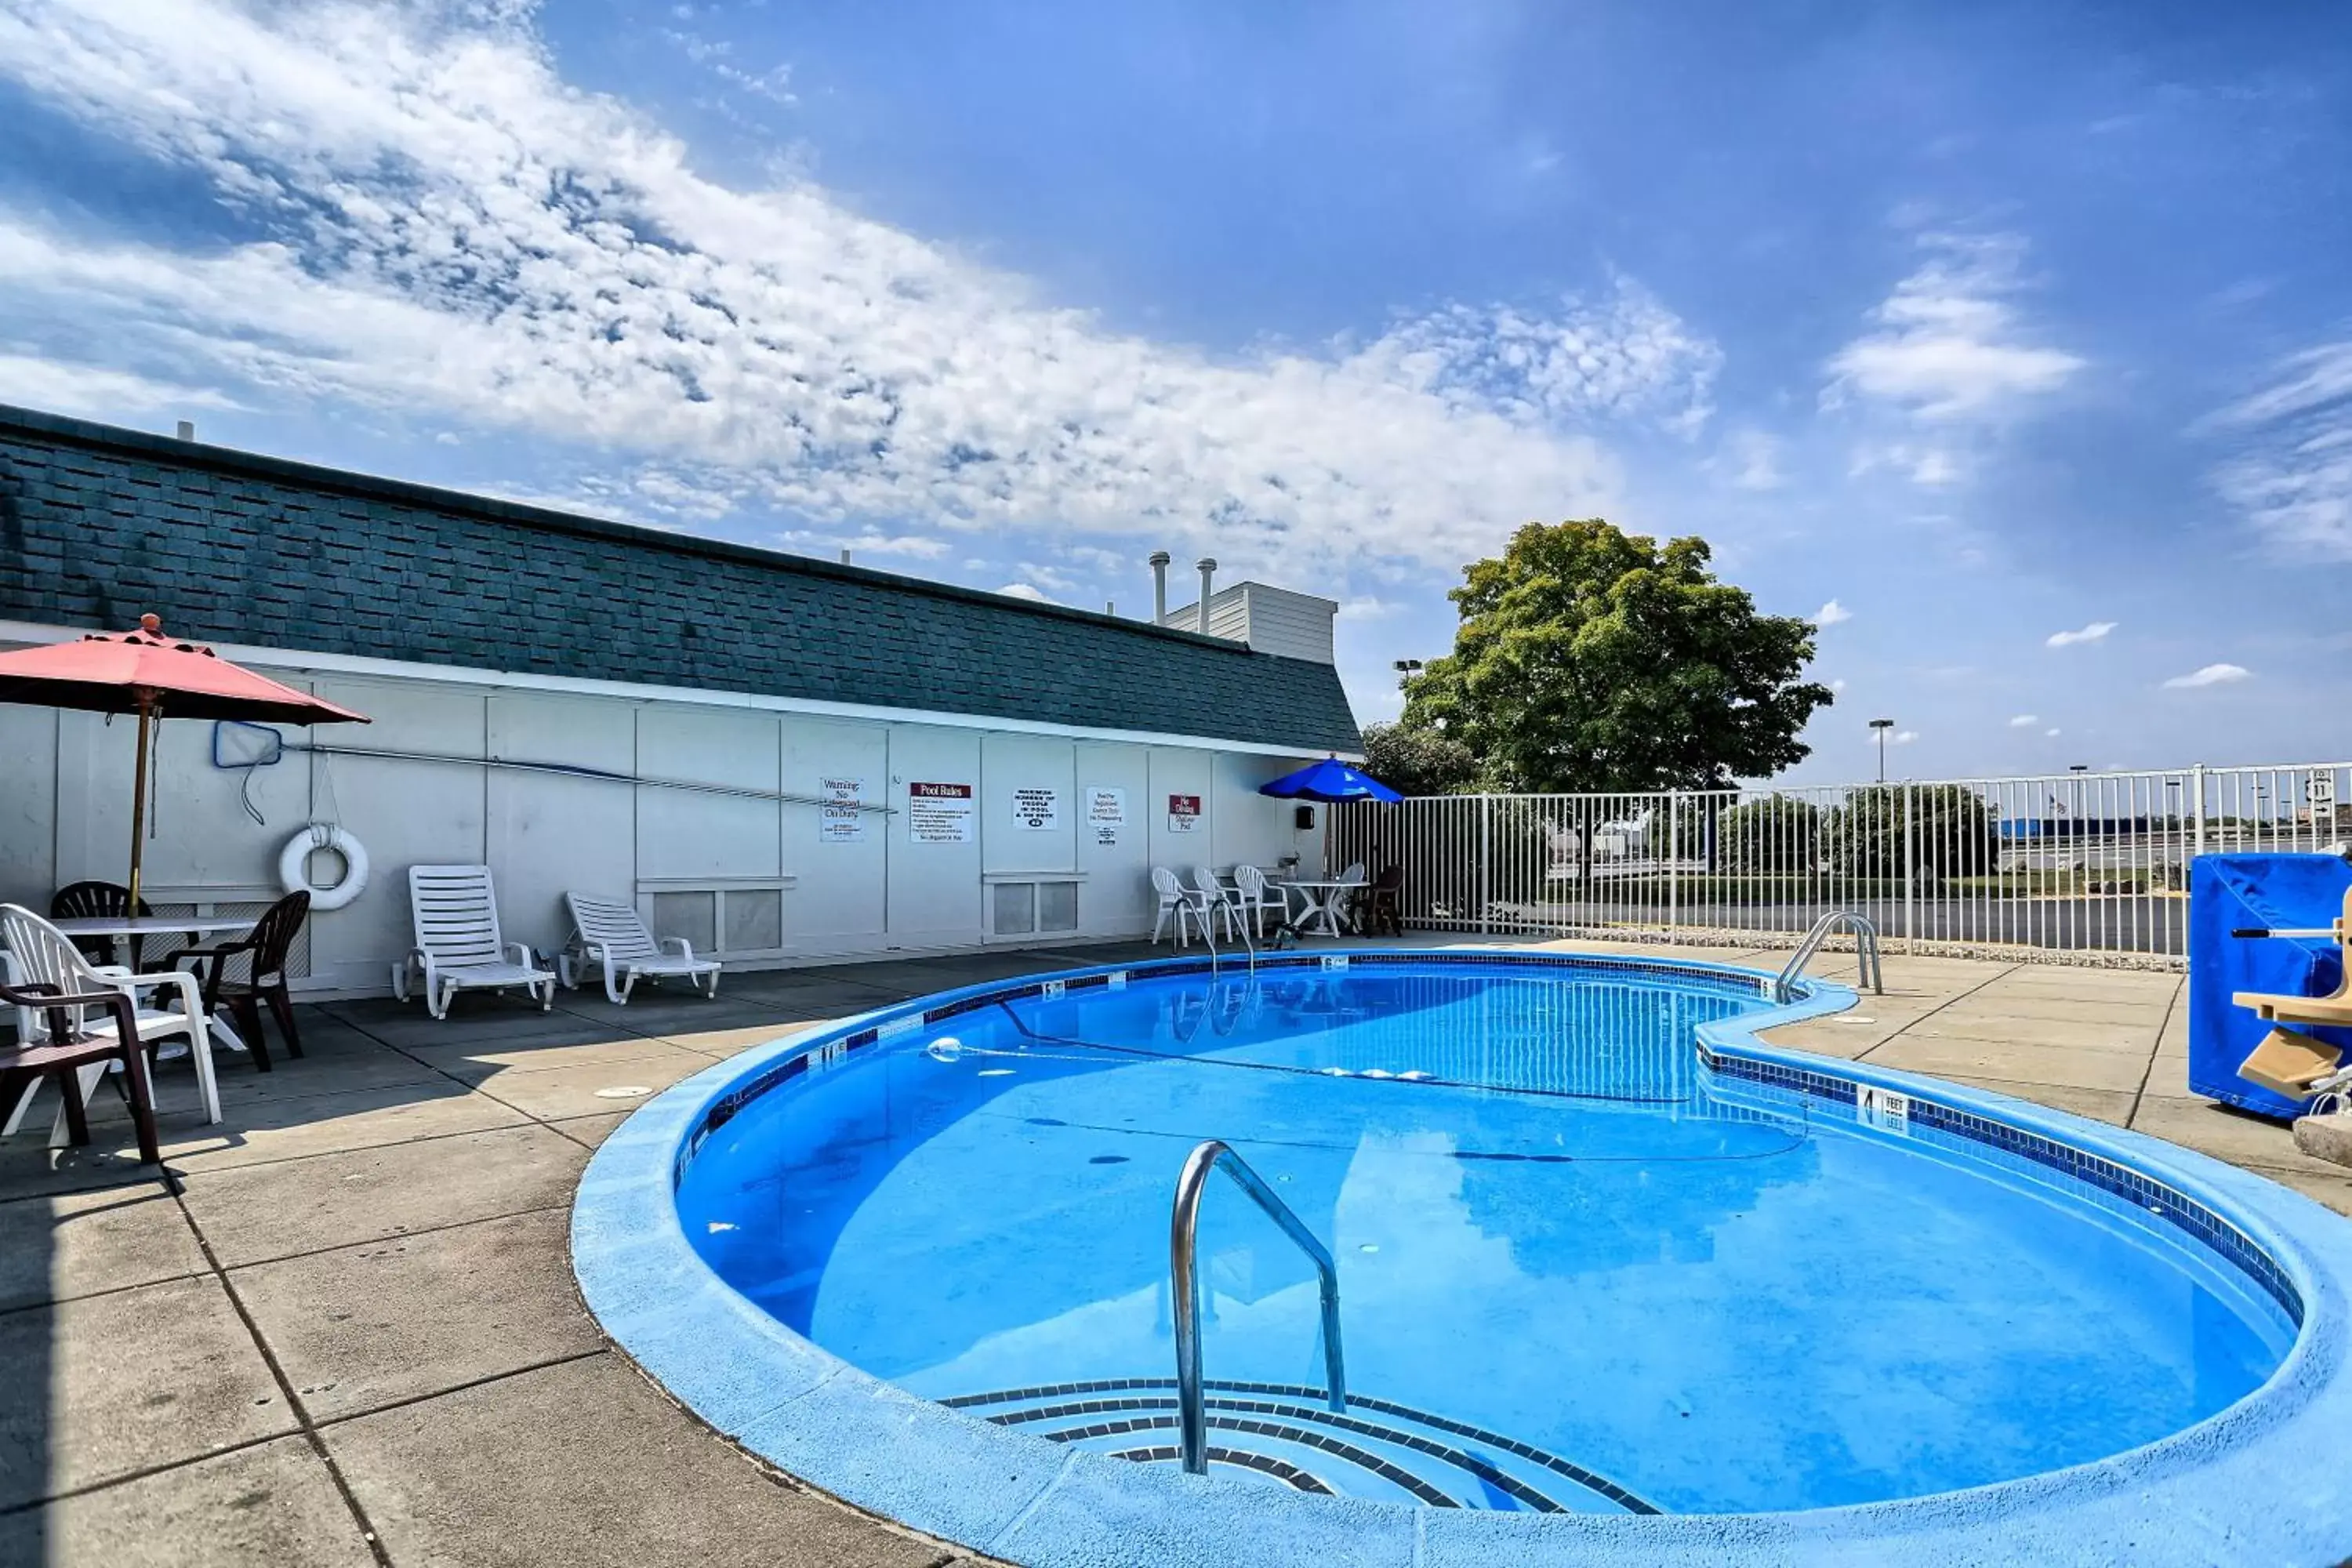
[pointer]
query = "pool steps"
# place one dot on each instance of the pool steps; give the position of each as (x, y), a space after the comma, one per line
(1377, 1447)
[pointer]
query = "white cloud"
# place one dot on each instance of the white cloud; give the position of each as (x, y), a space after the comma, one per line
(1927, 466)
(2211, 674)
(2023, 721)
(1030, 591)
(1831, 613)
(1624, 355)
(2292, 476)
(1838, 685)
(1947, 345)
(454, 235)
(919, 546)
(92, 391)
(2052, 733)
(1754, 459)
(2094, 632)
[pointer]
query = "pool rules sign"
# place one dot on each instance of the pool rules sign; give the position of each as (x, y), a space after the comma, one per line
(939, 813)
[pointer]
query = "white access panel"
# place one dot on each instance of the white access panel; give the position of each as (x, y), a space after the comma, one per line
(683, 835)
(839, 859)
(1188, 775)
(406, 813)
(1116, 899)
(1251, 826)
(29, 789)
(1027, 779)
(934, 875)
(548, 834)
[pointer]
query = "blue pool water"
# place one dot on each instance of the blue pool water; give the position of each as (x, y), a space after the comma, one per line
(1575, 1273)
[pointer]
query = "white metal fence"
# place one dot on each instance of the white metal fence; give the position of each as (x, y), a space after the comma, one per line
(2094, 865)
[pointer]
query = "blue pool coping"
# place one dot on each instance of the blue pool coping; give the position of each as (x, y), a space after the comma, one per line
(2262, 1483)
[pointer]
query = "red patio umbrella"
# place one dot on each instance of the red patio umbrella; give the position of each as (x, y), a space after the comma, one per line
(147, 673)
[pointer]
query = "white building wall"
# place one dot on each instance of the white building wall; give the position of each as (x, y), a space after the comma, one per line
(1292, 625)
(762, 880)
(545, 834)
(28, 801)
(1115, 853)
(935, 896)
(839, 861)
(1278, 620)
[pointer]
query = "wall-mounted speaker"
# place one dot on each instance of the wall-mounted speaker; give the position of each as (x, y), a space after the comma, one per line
(1304, 819)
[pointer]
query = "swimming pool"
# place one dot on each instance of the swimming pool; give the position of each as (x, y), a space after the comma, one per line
(1608, 1269)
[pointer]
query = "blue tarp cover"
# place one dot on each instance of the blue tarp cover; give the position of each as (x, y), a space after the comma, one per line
(2228, 892)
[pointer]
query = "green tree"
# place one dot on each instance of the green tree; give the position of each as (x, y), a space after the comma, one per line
(1951, 832)
(1418, 761)
(1592, 659)
(1771, 833)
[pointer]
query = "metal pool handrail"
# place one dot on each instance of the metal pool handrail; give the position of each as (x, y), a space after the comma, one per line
(1192, 1411)
(1865, 947)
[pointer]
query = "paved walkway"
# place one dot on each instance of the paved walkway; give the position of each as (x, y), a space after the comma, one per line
(343, 1330)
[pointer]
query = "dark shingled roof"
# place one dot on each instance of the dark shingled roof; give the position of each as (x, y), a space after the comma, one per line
(101, 524)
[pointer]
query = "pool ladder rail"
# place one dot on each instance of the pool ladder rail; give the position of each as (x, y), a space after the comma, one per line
(1184, 1281)
(1866, 943)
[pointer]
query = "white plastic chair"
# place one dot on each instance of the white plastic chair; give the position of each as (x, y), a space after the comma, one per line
(1215, 900)
(454, 911)
(39, 954)
(1255, 896)
(609, 932)
(1175, 899)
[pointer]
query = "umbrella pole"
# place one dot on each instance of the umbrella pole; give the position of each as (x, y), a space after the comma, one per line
(139, 796)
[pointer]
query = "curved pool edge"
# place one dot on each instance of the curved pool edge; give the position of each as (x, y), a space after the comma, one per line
(2204, 1495)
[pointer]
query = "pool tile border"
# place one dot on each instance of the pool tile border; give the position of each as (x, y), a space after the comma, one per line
(2150, 1194)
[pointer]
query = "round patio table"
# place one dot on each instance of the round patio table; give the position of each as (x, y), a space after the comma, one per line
(120, 929)
(1321, 899)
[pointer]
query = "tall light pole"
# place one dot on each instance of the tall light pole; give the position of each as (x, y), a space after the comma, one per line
(1406, 669)
(1878, 727)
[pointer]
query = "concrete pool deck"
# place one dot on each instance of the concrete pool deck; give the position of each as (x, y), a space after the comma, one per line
(343, 1328)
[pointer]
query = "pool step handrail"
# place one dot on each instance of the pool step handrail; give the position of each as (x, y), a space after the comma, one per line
(1184, 1288)
(1865, 946)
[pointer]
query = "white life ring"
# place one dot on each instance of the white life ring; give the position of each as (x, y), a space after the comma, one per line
(294, 866)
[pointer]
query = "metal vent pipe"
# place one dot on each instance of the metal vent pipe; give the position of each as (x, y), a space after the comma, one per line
(1208, 576)
(1160, 559)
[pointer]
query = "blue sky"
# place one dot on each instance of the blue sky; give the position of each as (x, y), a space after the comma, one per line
(2012, 342)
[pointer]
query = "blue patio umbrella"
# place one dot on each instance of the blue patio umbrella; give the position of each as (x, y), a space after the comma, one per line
(1328, 780)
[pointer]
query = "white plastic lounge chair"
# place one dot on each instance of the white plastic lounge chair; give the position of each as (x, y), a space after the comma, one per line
(39, 954)
(454, 911)
(609, 932)
(1255, 896)
(1177, 900)
(1216, 900)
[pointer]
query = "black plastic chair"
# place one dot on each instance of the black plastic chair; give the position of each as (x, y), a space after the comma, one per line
(68, 1051)
(267, 944)
(1385, 906)
(100, 900)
